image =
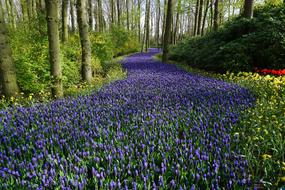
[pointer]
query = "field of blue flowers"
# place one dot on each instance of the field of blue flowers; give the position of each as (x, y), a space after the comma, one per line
(161, 128)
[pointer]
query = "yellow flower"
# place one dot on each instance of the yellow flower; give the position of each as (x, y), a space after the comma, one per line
(282, 179)
(266, 156)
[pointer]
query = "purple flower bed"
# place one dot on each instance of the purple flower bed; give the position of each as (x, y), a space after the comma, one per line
(161, 128)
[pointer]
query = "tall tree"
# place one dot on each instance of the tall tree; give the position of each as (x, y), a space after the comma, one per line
(100, 16)
(205, 16)
(7, 68)
(157, 22)
(177, 21)
(86, 70)
(72, 17)
(196, 17)
(112, 9)
(128, 14)
(90, 14)
(138, 20)
(248, 8)
(64, 20)
(119, 12)
(145, 43)
(200, 17)
(167, 31)
(216, 15)
(54, 47)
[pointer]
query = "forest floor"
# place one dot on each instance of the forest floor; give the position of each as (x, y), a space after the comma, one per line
(160, 127)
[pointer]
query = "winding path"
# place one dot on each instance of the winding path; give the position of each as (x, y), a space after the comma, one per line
(160, 127)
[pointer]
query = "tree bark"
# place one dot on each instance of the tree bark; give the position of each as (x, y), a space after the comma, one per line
(100, 16)
(7, 67)
(90, 14)
(167, 31)
(54, 47)
(146, 34)
(119, 12)
(128, 14)
(200, 17)
(64, 10)
(196, 18)
(112, 7)
(216, 15)
(86, 70)
(177, 21)
(72, 15)
(139, 22)
(157, 23)
(248, 8)
(205, 16)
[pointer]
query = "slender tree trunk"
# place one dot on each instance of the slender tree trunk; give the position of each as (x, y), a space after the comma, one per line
(64, 22)
(54, 47)
(147, 18)
(139, 22)
(128, 14)
(157, 23)
(24, 10)
(72, 17)
(216, 15)
(119, 12)
(7, 67)
(86, 70)
(90, 14)
(205, 16)
(164, 20)
(177, 21)
(2, 10)
(248, 8)
(200, 17)
(100, 16)
(196, 18)
(167, 32)
(112, 7)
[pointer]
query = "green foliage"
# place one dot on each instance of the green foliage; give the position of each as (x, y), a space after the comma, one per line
(125, 42)
(241, 45)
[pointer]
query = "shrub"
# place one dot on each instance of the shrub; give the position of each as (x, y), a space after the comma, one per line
(241, 45)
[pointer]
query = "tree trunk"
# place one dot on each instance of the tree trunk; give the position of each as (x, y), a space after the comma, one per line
(200, 17)
(2, 11)
(157, 23)
(72, 15)
(147, 17)
(100, 16)
(177, 21)
(112, 7)
(54, 47)
(128, 14)
(167, 31)
(86, 70)
(64, 21)
(119, 12)
(90, 14)
(7, 67)
(248, 8)
(139, 22)
(216, 15)
(205, 16)
(196, 18)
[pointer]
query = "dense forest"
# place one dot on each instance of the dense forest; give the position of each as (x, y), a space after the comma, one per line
(103, 30)
(142, 94)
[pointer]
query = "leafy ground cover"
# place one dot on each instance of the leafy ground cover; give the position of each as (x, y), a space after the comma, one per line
(261, 129)
(161, 128)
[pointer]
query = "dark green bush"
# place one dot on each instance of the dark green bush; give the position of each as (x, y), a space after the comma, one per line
(241, 45)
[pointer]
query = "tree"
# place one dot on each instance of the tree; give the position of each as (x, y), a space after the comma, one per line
(72, 17)
(157, 22)
(54, 47)
(7, 67)
(216, 15)
(86, 70)
(248, 8)
(64, 21)
(167, 31)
